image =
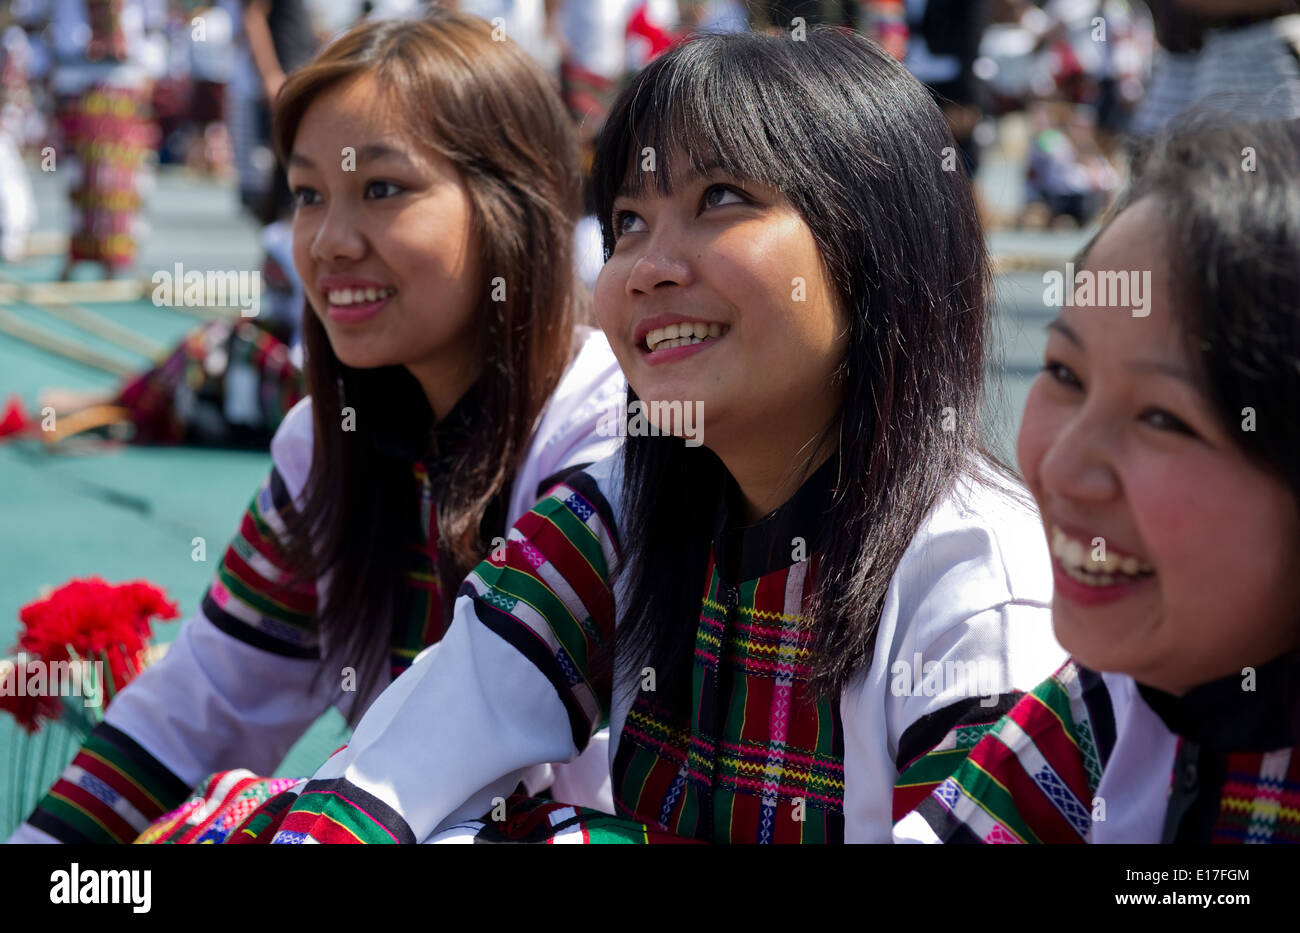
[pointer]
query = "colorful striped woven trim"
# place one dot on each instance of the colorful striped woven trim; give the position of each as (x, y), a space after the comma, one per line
(1260, 800)
(1032, 778)
(110, 793)
(547, 822)
(936, 745)
(551, 599)
(750, 755)
(337, 811)
(219, 805)
(253, 597)
(263, 824)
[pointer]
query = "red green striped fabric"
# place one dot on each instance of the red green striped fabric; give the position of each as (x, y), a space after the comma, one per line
(112, 790)
(550, 596)
(549, 822)
(753, 756)
(337, 812)
(1031, 779)
(1260, 801)
(945, 739)
(253, 597)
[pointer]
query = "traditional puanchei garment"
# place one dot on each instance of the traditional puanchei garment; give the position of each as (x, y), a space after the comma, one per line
(1089, 757)
(750, 754)
(240, 683)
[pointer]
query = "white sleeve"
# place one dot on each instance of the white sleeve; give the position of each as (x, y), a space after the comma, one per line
(577, 427)
(462, 726)
(511, 686)
(238, 686)
(576, 430)
(965, 630)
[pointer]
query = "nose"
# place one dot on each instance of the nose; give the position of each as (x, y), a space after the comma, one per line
(661, 266)
(1079, 463)
(339, 237)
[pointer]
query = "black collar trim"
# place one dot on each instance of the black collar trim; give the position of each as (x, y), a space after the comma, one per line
(747, 552)
(1226, 717)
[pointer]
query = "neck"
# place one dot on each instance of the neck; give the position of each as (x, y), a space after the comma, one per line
(767, 476)
(444, 384)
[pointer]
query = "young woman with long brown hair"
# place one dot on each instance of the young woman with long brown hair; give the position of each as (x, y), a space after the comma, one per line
(436, 185)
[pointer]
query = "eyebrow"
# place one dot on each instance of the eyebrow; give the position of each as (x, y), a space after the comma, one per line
(1065, 331)
(1154, 366)
(686, 177)
(367, 153)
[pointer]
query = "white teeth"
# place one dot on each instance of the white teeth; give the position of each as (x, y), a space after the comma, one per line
(680, 335)
(342, 297)
(1076, 559)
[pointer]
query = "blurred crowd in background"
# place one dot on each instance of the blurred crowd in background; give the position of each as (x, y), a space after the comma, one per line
(121, 85)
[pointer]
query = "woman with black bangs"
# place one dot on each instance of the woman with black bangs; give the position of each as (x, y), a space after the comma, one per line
(777, 613)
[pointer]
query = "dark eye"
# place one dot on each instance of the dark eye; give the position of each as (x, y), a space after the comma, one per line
(1161, 420)
(303, 196)
(622, 220)
(1061, 373)
(714, 196)
(383, 189)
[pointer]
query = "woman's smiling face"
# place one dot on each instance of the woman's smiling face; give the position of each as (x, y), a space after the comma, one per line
(384, 241)
(717, 294)
(1202, 546)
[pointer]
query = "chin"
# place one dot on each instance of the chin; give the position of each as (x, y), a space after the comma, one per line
(362, 359)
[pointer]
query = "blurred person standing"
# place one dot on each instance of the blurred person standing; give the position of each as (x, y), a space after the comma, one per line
(17, 204)
(212, 60)
(604, 40)
(276, 37)
(107, 55)
(1233, 55)
(943, 43)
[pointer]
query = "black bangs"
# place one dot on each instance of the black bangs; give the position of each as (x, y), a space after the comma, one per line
(743, 105)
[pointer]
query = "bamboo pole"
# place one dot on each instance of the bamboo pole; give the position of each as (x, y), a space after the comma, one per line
(56, 305)
(13, 326)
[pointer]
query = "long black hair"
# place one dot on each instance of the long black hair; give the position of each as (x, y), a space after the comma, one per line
(489, 109)
(860, 150)
(1229, 193)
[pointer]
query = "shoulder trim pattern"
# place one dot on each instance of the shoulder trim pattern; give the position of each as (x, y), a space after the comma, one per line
(110, 793)
(337, 811)
(253, 598)
(1032, 778)
(550, 596)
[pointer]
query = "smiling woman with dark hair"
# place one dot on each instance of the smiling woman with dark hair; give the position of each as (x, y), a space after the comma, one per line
(451, 385)
(1170, 436)
(777, 622)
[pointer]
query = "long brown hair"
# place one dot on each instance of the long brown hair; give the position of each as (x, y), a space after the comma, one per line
(489, 109)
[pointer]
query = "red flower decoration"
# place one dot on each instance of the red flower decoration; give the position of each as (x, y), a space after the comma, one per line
(31, 712)
(97, 621)
(14, 419)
